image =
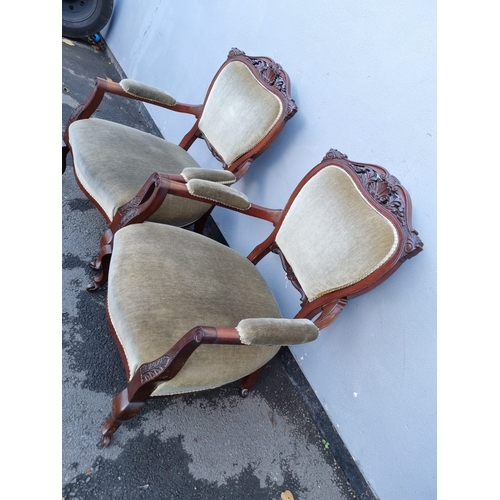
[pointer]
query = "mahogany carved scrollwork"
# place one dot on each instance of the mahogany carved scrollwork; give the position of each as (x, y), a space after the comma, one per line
(235, 52)
(167, 366)
(214, 152)
(152, 370)
(334, 154)
(413, 244)
(386, 190)
(129, 211)
(272, 74)
(289, 272)
(136, 205)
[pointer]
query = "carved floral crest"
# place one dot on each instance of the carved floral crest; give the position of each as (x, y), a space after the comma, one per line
(271, 73)
(387, 191)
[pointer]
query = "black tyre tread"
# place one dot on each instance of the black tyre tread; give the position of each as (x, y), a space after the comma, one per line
(94, 24)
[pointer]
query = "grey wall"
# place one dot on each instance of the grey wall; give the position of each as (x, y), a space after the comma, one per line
(364, 79)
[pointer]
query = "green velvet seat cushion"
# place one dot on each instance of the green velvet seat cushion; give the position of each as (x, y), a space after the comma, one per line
(164, 281)
(113, 161)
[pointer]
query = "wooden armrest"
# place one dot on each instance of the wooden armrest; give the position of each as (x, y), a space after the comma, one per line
(101, 86)
(209, 174)
(252, 331)
(156, 188)
(145, 380)
(142, 91)
(276, 331)
(166, 367)
(215, 192)
(146, 93)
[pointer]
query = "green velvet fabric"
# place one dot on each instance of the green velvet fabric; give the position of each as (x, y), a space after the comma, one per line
(332, 237)
(213, 191)
(113, 161)
(208, 174)
(239, 112)
(271, 331)
(139, 89)
(164, 281)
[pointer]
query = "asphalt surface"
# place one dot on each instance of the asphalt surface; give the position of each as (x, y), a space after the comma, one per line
(212, 445)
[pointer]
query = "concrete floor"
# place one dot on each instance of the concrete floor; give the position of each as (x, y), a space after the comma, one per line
(202, 446)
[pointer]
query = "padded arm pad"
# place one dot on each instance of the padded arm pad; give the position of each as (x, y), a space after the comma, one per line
(141, 90)
(219, 193)
(209, 174)
(276, 331)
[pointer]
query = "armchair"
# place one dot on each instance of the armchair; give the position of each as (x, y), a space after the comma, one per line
(190, 314)
(246, 106)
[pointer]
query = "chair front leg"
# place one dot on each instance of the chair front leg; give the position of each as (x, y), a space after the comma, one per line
(106, 239)
(122, 409)
(147, 201)
(104, 260)
(149, 375)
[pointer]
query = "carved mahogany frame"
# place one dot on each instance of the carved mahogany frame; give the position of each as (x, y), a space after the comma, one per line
(274, 78)
(149, 375)
(382, 190)
(386, 194)
(269, 73)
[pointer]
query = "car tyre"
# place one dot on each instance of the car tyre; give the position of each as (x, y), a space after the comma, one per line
(84, 18)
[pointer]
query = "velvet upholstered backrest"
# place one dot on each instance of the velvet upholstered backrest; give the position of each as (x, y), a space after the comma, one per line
(247, 105)
(346, 227)
(332, 236)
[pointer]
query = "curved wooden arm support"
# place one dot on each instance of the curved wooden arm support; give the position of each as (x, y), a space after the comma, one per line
(86, 109)
(268, 214)
(137, 210)
(101, 86)
(145, 203)
(166, 367)
(154, 191)
(327, 312)
(149, 375)
(241, 169)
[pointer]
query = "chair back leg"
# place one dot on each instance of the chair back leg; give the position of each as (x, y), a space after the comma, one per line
(249, 381)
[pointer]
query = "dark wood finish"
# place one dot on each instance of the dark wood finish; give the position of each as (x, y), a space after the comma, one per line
(382, 190)
(249, 381)
(149, 375)
(388, 196)
(147, 201)
(101, 86)
(270, 74)
(274, 78)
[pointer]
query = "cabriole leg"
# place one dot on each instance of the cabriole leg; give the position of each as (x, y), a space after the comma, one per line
(106, 239)
(121, 410)
(104, 259)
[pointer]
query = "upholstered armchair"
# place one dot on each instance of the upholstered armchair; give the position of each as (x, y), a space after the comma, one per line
(191, 314)
(245, 108)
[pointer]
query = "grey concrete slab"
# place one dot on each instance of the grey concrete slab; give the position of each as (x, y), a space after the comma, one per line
(202, 446)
